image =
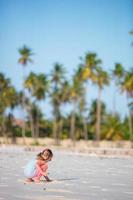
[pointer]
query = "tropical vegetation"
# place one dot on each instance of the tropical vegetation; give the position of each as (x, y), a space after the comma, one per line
(88, 122)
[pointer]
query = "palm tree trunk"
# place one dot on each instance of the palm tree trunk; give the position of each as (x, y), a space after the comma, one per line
(114, 102)
(13, 135)
(37, 127)
(72, 128)
(24, 125)
(23, 133)
(32, 126)
(4, 130)
(98, 116)
(23, 106)
(85, 129)
(60, 127)
(130, 123)
(56, 124)
(55, 127)
(35, 136)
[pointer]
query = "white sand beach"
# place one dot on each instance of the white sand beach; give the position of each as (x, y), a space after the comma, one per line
(75, 177)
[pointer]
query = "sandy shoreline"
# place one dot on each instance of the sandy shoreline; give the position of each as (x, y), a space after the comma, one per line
(80, 150)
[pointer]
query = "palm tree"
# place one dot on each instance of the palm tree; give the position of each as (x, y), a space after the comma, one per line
(102, 79)
(94, 73)
(89, 64)
(74, 102)
(82, 109)
(8, 99)
(57, 78)
(25, 54)
(125, 82)
(64, 99)
(25, 58)
(117, 75)
(131, 33)
(38, 86)
(93, 115)
(127, 86)
(77, 92)
(35, 115)
(82, 99)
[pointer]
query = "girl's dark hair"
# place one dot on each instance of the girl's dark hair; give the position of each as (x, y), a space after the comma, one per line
(50, 154)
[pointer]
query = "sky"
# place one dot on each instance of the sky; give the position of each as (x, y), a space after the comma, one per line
(62, 31)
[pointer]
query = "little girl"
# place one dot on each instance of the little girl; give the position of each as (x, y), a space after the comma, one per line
(37, 167)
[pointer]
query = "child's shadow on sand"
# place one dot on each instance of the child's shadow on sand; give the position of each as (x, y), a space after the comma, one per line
(61, 179)
(65, 179)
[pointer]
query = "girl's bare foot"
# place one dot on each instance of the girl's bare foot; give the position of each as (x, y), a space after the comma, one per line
(29, 180)
(36, 180)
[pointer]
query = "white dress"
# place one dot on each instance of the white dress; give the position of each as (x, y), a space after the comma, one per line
(30, 169)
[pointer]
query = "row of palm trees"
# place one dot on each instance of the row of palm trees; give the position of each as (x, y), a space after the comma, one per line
(61, 92)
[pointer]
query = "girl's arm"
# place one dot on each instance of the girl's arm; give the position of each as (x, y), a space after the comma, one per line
(47, 178)
(41, 168)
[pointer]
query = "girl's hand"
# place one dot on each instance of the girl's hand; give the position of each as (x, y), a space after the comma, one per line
(47, 179)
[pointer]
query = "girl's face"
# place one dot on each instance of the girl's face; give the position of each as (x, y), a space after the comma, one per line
(46, 156)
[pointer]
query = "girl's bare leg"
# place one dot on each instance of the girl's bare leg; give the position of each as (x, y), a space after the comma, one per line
(37, 177)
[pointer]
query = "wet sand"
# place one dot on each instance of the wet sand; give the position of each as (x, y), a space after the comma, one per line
(75, 177)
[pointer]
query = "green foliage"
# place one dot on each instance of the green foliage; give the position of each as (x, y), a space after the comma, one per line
(81, 121)
(35, 143)
(17, 132)
(64, 135)
(25, 54)
(112, 128)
